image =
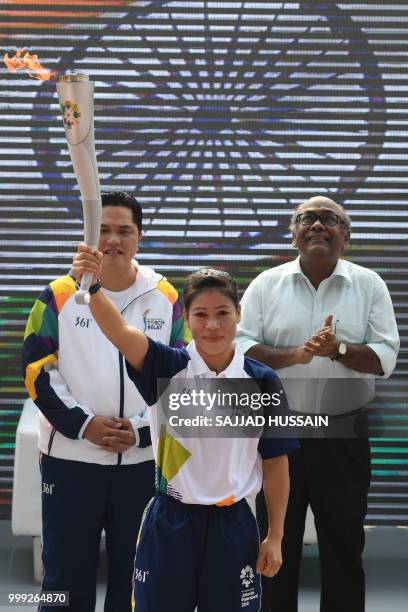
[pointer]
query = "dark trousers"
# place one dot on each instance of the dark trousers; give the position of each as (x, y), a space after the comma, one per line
(79, 500)
(191, 555)
(333, 476)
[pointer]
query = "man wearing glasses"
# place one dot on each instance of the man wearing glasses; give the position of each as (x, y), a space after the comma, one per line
(321, 317)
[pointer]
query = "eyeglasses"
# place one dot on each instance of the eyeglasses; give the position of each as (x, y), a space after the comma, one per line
(328, 219)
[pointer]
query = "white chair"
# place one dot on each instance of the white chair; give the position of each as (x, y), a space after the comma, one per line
(26, 507)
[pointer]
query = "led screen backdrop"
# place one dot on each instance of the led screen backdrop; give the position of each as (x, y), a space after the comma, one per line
(221, 116)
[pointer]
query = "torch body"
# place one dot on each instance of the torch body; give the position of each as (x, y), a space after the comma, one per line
(75, 93)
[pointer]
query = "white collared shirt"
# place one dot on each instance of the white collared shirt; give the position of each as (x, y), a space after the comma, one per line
(282, 309)
(191, 466)
(198, 368)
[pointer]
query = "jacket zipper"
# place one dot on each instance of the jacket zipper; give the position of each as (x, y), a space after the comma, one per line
(121, 396)
(51, 440)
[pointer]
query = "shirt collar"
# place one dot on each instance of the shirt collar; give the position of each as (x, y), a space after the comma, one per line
(341, 269)
(293, 267)
(200, 368)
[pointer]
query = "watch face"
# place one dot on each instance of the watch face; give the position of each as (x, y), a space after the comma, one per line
(342, 348)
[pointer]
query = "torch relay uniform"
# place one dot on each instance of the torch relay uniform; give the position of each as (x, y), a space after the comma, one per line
(73, 372)
(199, 542)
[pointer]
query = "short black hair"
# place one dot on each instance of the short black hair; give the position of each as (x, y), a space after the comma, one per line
(209, 278)
(122, 198)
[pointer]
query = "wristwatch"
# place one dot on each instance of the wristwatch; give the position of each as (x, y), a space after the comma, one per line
(93, 288)
(341, 351)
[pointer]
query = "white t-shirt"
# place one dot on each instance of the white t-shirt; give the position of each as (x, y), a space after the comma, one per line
(218, 471)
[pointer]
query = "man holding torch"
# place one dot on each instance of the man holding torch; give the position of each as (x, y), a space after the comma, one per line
(96, 459)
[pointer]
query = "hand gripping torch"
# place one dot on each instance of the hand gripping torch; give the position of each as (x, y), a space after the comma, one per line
(75, 94)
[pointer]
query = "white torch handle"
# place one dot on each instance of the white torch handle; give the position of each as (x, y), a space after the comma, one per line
(76, 101)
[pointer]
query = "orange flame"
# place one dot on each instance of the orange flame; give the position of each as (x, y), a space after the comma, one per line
(30, 63)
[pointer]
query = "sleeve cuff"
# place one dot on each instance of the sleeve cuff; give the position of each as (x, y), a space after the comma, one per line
(270, 448)
(142, 434)
(81, 431)
(246, 343)
(387, 357)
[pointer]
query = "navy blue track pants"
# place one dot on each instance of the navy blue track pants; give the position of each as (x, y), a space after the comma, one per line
(79, 500)
(194, 555)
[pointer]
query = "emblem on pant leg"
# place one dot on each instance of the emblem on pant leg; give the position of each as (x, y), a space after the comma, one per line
(247, 578)
(48, 488)
(140, 575)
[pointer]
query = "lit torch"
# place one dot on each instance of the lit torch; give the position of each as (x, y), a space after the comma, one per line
(75, 94)
(24, 60)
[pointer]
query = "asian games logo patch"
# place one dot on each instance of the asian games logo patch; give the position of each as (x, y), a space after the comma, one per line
(70, 113)
(247, 576)
(151, 324)
(249, 593)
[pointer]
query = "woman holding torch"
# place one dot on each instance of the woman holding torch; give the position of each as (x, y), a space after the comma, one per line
(199, 544)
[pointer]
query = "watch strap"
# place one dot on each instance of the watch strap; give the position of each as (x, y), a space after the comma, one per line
(93, 288)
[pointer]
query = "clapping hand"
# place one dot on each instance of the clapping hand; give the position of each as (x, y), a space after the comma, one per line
(324, 342)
